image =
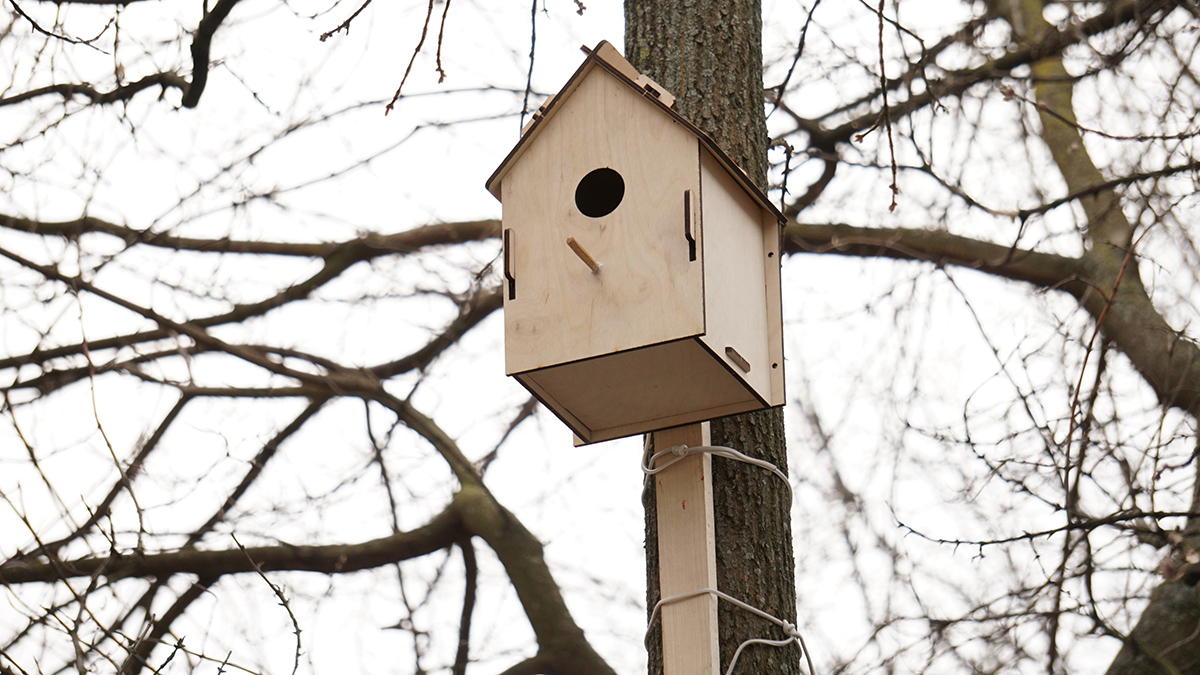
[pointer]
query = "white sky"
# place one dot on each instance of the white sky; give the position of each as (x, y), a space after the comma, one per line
(860, 334)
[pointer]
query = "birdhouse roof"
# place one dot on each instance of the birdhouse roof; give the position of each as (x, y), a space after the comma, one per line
(607, 58)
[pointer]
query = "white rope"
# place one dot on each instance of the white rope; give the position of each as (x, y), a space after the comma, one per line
(789, 629)
(682, 451)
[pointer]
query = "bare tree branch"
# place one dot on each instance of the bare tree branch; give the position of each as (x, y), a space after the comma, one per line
(471, 571)
(139, 655)
(201, 44)
(338, 258)
(1044, 270)
(119, 94)
(441, 532)
(366, 246)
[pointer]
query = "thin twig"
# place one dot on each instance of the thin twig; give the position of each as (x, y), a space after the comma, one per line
(795, 60)
(887, 117)
(58, 36)
(283, 601)
(345, 25)
(420, 43)
(441, 34)
(529, 74)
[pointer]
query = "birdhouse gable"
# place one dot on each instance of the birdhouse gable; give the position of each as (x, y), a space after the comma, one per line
(609, 60)
(641, 267)
(606, 57)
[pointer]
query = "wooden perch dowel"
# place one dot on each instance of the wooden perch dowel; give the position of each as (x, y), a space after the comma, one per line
(583, 255)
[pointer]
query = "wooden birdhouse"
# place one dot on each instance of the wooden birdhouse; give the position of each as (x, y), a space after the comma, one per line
(641, 265)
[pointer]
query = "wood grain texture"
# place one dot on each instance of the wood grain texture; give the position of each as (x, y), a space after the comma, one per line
(735, 274)
(648, 291)
(600, 318)
(643, 389)
(773, 244)
(686, 539)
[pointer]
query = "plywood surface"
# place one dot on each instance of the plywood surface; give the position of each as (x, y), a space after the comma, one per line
(687, 555)
(648, 291)
(772, 245)
(735, 270)
(607, 57)
(641, 390)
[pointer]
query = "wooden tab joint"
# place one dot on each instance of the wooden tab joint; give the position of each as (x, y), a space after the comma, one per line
(654, 90)
(538, 115)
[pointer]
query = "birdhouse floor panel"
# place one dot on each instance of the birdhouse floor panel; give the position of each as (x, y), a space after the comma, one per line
(641, 390)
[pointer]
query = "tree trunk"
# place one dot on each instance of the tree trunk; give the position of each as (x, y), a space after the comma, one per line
(708, 53)
(1164, 640)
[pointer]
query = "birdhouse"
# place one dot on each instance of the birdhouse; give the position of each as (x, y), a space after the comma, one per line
(641, 265)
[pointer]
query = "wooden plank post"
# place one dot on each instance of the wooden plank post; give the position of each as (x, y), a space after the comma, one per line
(687, 554)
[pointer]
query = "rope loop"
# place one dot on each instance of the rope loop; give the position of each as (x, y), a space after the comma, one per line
(789, 628)
(679, 452)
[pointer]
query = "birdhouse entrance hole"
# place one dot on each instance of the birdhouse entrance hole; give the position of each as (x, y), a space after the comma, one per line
(599, 193)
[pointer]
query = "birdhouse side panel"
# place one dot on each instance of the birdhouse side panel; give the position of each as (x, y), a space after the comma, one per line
(736, 271)
(595, 213)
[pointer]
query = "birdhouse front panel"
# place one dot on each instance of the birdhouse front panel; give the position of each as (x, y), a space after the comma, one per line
(606, 181)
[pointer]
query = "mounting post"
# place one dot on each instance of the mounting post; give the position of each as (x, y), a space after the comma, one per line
(687, 554)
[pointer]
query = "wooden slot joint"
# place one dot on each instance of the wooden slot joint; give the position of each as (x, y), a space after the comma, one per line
(537, 115)
(654, 90)
(689, 232)
(738, 359)
(510, 275)
(584, 255)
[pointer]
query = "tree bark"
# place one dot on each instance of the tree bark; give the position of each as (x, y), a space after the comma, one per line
(1164, 639)
(708, 53)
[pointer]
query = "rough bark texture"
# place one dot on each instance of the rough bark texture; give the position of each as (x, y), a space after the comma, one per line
(754, 541)
(708, 53)
(1161, 641)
